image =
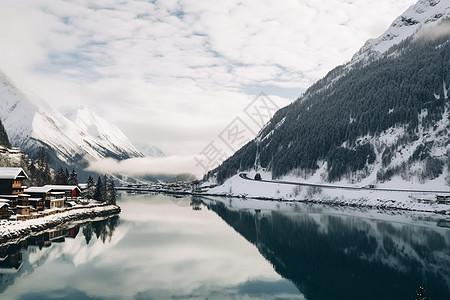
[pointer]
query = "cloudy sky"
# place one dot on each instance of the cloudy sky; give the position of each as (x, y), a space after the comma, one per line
(177, 73)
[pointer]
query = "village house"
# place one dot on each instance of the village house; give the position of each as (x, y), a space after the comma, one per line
(56, 202)
(11, 181)
(54, 196)
(41, 192)
(37, 203)
(22, 199)
(5, 213)
(13, 200)
(23, 210)
(70, 191)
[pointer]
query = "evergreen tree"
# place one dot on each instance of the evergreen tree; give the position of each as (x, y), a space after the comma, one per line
(4, 140)
(90, 182)
(104, 188)
(73, 178)
(66, 177)
(59, 176)
(90, 190)
(111, 195)
(98, 192)
(40, 171)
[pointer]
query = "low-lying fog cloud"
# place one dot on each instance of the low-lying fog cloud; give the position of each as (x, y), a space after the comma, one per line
(171, 165)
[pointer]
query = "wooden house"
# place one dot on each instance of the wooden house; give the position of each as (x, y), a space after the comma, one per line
(23, 199)
(39, 192)
(37, 203)
(23, 210)
(55, 203)
(5, 213)
(70, 191)
(11, 181)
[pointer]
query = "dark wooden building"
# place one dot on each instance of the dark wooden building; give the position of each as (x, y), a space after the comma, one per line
(5, 213)
(11, 181)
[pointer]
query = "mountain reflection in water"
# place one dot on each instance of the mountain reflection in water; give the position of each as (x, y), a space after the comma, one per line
(165, 247)
(345, 257)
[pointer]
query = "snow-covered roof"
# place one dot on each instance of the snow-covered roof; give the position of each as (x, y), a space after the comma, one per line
(83, 186)
(57, 199)
(4, 200)
(62, 187)
(12, 173)
(3, 204)
(8, 196)
(34, 199)
(38, 189)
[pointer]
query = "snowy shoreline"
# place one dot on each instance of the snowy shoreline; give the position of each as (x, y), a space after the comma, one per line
(12, 232)
(238, 187)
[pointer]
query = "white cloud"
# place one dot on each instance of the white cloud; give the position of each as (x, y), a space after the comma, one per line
(175, 73)
(171, 165)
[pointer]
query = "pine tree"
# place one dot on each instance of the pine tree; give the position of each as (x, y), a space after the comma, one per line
(40, 171)
(104, 188)
(90, 182)
(4, 140)
(111, 195)
(98, 195)
(66, 177)
(90, 190)
(73, 178)
(59, 176)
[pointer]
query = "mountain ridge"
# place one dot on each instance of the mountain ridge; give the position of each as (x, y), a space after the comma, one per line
(368, 121)
(73, 139)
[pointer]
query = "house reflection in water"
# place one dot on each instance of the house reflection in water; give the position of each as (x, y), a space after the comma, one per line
(15, 259)
(11, 256)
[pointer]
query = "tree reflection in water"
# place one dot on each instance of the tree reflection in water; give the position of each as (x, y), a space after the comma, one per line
(345, 257)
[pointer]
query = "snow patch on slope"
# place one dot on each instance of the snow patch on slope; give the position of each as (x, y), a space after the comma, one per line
(149, 150)
(421, 16)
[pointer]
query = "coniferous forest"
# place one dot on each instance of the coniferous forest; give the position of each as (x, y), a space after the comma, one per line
(406, 87)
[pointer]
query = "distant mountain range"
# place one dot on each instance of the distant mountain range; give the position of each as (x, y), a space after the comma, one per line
(72, 140)
(383, 115)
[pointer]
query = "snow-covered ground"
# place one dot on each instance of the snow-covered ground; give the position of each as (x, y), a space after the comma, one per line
(13, 231)
(240, 187)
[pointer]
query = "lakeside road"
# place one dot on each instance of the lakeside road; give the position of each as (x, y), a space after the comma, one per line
(328, 186)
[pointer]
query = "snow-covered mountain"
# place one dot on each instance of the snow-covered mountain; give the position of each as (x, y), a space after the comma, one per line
(74, 139)
(383, 118)
(422, 16)
(149, 150)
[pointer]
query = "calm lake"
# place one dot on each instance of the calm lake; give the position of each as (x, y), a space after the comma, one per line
(164, 247)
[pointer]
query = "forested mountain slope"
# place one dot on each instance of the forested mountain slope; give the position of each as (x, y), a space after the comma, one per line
(372, 118)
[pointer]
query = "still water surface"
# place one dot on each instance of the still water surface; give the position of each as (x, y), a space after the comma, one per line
(163, 247)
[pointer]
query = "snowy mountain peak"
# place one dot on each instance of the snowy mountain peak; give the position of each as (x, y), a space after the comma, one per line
(149, 150)
(424, 14)
(74, 139)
